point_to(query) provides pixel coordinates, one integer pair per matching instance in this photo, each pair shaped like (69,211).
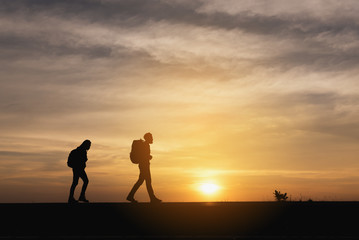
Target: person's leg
(147,175)
(135,187)
(75,181)
(85,179)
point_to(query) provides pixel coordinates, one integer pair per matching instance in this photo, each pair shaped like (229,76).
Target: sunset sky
(247,96)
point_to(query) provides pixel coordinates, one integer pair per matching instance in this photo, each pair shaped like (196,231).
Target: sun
(209,188)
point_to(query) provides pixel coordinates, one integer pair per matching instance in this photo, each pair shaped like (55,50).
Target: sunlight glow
(209,188)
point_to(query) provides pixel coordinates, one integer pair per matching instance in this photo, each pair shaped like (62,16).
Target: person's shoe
(72,200)
(83,199)
(131,199)
(156,200)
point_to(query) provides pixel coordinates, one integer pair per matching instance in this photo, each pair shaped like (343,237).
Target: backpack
(71,160)
(136,154)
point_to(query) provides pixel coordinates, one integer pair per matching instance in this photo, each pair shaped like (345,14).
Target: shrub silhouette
(280,197)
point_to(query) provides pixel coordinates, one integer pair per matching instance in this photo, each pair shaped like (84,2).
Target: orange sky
(250,96)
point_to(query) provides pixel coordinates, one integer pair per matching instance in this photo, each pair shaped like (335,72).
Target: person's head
(148,138)
(86,144)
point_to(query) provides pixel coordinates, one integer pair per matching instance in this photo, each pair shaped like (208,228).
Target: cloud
(96,61)
(16,47)
(132,29)
(322,112)
(260,17)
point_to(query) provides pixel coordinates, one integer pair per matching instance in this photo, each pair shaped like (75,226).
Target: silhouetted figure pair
(77,161)
(141,154)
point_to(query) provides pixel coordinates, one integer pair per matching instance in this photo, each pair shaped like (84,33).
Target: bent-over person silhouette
(77,161)
(141,154)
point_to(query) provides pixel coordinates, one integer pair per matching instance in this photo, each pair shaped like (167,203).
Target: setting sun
(209,188)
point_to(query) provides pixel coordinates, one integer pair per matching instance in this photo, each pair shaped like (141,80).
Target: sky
(249,96)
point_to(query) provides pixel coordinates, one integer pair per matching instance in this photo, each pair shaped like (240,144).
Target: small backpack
(71,160)
(137,149)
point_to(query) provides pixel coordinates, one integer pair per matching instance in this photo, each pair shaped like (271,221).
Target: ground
(224,220)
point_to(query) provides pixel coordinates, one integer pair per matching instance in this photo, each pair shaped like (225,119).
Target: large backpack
(72,159)
(137,151)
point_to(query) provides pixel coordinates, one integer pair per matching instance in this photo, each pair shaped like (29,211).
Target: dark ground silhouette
(242,220)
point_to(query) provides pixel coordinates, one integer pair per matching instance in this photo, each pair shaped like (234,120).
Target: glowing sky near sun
(244,96)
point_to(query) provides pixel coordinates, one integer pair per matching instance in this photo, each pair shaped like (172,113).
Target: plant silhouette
(280,197)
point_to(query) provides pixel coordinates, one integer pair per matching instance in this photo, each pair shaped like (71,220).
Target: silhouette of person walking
(77,161)
(145,174)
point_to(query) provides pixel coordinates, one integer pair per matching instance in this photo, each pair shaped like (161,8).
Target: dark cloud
(311,50)
(51,46)
(15,47)
(137,12)
(134,12)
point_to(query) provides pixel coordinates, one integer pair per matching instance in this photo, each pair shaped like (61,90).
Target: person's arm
(148,152)
(84,156)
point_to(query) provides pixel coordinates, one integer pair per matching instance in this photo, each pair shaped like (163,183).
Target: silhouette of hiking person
(141,154)
(77,161)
